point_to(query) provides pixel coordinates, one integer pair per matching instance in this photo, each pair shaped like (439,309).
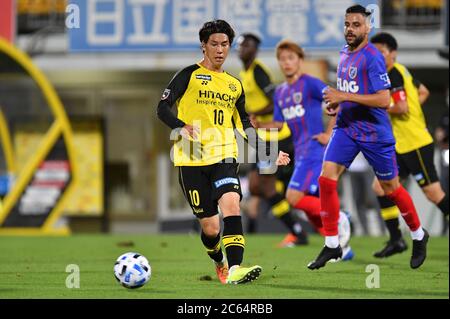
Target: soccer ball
(132,270)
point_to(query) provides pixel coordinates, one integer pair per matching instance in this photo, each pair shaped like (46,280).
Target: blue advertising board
(172,25)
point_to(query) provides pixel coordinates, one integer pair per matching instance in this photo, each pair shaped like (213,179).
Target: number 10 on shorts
(195,197)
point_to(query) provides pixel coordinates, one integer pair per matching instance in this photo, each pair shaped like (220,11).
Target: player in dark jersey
(363,126)
(414,144)
(259,89)
(211,103)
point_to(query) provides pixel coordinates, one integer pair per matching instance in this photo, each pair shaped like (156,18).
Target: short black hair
(357,8)
(216,26)
(386,39)
(252,37)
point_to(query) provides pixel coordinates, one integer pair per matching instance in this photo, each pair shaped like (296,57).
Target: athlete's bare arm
(378,99)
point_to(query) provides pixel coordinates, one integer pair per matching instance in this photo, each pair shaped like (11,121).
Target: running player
(414,144)
(259,89)
(298,102)
(210,103)
(362,126)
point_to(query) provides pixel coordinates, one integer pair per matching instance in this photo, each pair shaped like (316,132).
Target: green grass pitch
(35,267)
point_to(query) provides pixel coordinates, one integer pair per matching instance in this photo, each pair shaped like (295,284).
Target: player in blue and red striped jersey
(363,125)
(298,102)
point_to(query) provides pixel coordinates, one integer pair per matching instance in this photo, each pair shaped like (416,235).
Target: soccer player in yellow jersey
(259,90)
(414,144)
(210,104)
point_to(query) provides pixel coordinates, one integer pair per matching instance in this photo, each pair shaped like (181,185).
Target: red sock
(311,206)
(329,201)
(404,202)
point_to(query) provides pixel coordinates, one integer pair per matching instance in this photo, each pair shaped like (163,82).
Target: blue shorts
(306,176)
(342,150)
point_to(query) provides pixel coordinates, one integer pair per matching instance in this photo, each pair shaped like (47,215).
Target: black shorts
(420,164)
(204,185)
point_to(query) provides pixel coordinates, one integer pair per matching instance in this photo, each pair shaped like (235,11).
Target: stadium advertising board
(172,25)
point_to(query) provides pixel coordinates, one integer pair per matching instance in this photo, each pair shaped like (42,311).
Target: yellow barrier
(59,128)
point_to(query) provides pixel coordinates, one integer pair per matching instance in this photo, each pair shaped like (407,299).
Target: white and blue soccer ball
(132,270)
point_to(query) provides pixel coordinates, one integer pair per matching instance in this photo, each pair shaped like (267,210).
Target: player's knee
(229,204)
(377,189)
(293,197)
(332,170)
(434,193)
(388,189)
(211,230)
(389,186)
